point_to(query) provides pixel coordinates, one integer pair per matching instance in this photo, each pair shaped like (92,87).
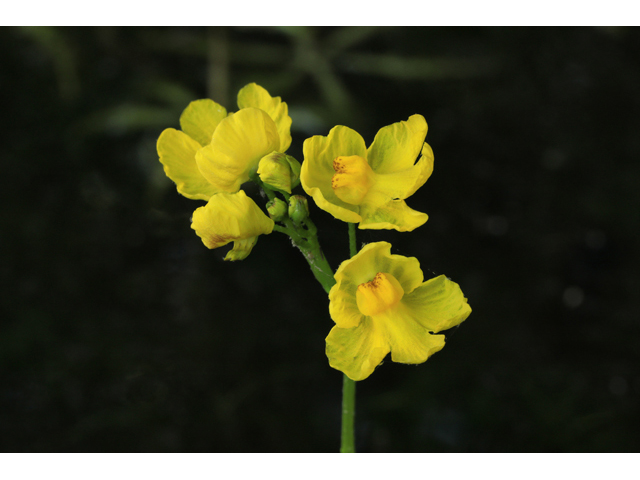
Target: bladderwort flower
(215,152)
(381,304)
(231,217)
(369,186)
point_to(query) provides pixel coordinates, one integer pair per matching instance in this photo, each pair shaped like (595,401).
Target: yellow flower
(231,217)
(381,304)
(369,186)
(216,152)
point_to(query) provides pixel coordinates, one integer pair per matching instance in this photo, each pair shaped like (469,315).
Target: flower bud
(298,208)
(279,171)
(277,209)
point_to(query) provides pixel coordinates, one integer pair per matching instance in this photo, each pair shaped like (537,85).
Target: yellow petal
(404,269)
(438,304)
(237,145)
(343,306)
(404,183)
(423,169)
(317,169)
(397,146)
(254,95)
(200,119)
(378,212)
(357,351)
(231,217)
(409,341)
(177,152)
(241,249)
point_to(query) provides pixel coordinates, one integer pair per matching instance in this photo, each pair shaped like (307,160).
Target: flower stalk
(347,441)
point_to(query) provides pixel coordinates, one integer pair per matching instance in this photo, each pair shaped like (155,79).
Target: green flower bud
(277,209)
(279,171)
(298,208)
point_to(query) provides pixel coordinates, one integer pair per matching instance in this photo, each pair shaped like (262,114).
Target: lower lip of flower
(353,179)
(379,295)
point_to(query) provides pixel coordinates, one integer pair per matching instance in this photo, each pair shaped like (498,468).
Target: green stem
(348,385)
(348,441)
(305,237)
(353,248)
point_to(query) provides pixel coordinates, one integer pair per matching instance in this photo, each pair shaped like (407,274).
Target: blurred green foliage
(122,332)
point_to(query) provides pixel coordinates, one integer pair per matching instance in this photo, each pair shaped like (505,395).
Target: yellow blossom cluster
(214,153)
(380,302)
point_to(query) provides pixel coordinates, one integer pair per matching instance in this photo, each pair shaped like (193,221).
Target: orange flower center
(379,295)
(353,179)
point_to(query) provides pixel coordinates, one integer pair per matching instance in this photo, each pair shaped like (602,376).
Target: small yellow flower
(381,304)
(216,152)
(231,217)
(369,186)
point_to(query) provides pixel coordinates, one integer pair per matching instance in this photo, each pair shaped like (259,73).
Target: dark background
(120,331)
